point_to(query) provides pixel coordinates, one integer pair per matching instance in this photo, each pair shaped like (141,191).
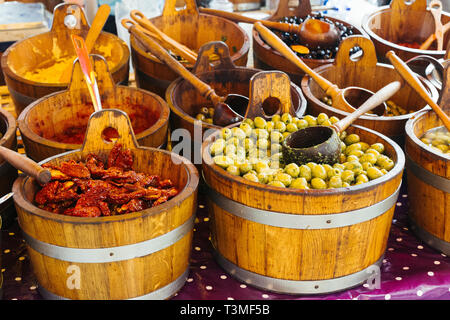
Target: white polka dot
(197,249)
(419,247)
(413,255)
(203,267)
(387,297)
(398,278)
(419,293)
(399,204)
(265,296)
(243,286)
(208,287)
(430,273)
(405,268)
(437,262)
(399,239)
(223,277)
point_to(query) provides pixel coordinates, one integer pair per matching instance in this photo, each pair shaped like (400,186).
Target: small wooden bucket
(403,22)
(266,58)
(185,102)
(8,173)
(428,177)
(192,29)
(300,241)
(47,48)
(62,113)
(140,255)
(366,73)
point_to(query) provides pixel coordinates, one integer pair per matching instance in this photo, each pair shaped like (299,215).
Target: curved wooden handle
(64,9)
(276,43)
(170,8)
(375,100)
(436,11)
(151,45)
(96,28)
(218,48)
(406,73)
(369,55)
(402,5)
(302,9)
(22,163)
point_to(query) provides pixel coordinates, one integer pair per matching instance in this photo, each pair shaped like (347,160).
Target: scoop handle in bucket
(22,163)
(302,9)
(204,89)
(104,119)
(204,63)
(368,58)
(375,100)
(265,85)
(399,6)
(436,11)
(68,16)
(170,8)
(275,42)
(406,73)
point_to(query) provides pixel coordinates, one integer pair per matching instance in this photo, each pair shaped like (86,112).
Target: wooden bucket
(192,29)
(35,52)
(299,241)
(8,173)
(366,73)
(185,101)
(266,58)
(428,180)
(403,22)
(140,255)
(58,114)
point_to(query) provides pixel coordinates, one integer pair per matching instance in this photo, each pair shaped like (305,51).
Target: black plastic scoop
(227,110)
(321,144)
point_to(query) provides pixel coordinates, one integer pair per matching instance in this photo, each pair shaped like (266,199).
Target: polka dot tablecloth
(410,269)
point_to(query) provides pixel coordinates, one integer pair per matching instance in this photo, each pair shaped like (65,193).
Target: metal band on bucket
(295,221)
(426,176)
(119,253)
(429,238)
(159,294)
(298,286)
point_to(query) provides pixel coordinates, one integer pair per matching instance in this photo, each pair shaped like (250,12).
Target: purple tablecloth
(410,269)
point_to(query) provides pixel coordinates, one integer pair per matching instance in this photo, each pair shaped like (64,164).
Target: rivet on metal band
(159,294)
(295,221)
(105,255)
(298,286)
(429,238)
(426,176)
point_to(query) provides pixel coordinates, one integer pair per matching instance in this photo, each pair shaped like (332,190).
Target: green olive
(334,119)
(299,183)
(318,183)
(262,143)
(321,117)
(251,176)
(245,167)
(286,118)
(260,122)
(351,139)
(276,118)
(364,146)
(362,178)
(378,146)
(354,166)
(335,182)
(311,120)
(276,137)
(280,126)
(275,148)
(276,183)
(226,133)
(334,172)
(223,161)
(246,128)
(211,112)
(292,169)
(249,121)
(374,173)
(348,176)
(319,172)
(200,117)
(285,178)
(352,147)
(302,123)
(291,127)
(261,166)
(305,172)
(368,157)
(217,147)
(234,170)
(238,133)
(270,126)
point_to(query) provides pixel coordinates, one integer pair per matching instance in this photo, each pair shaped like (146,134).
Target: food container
(266,58)
(192,29)
(8,173)
(139,255)
(51,52)
(302,241)
(49,124)
(428,180)
(369,74)
(225,78)
(403,21)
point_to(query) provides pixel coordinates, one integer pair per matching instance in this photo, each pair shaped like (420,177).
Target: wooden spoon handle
(407,74)
(275,42)
(436,11)
(427,43)
(151,45)
(375,100)
(26,165)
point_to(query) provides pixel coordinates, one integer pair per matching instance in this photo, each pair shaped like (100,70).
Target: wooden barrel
(8,173)
(402,22)
(192,29)
(366,73)
(266,58)
(299,241)
(139,255)
(185,101)
(428,179)
(48,48)
(49,124)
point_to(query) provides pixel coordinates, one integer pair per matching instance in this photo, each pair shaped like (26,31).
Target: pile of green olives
(438,139)
(392,110)
(206,114)
(252,150)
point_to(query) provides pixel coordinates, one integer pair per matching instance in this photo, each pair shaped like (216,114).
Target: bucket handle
(104,119)
(302,9)
(269,84)
(170,9)
(204,63)
(369,55)
(406,5)
(67,17)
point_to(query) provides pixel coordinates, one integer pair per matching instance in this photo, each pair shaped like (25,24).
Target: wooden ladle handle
(276,43)
(22,163)
(375,100)
(151,45)
(407,74)
(436,11)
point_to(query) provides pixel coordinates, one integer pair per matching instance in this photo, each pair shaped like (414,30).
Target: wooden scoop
(94,31)
(224,107)
(321,144)
(436,11)
(338,95)
(22,163)
(407,74)
(313,32)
